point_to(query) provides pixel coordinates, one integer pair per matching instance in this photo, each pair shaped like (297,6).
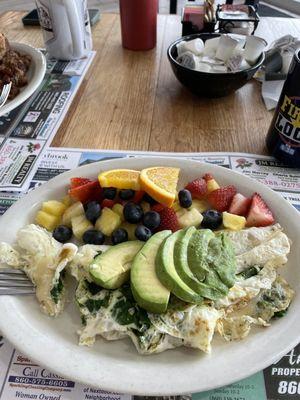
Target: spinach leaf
(92,287)
(127,312)
(57,290)
(249,272)
(94,305)
(280,314)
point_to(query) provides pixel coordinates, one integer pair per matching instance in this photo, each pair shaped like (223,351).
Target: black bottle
(283,139)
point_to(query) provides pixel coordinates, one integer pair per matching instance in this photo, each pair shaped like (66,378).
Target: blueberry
(142,233)
(211,219)
(119,236)
(185,198)
(62,233)
(151,220)
(148,199)
(92,210)
(126,194)
(109,193)
(133,213)
(92,236)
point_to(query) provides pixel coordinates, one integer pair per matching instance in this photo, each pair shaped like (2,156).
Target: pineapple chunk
(79,225)
(233,222)
(212,185)
(118,209)
(130,228)
(67,200)
(74,210)
(176,206)
(189,217)
(108,221)
(54,207)
(200,205)
(145,206)
(46,220)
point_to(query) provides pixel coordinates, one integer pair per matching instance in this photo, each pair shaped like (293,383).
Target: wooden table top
(132,100)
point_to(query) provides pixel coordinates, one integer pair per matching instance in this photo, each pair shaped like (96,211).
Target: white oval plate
(35,75)
(116,366)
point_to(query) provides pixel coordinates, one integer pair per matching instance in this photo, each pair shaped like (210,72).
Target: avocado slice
(146,288)
(197,252)
(183,268)
(112,268)
(221,258)
(167,274)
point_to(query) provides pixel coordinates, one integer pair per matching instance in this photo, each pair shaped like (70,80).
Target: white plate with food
(195,293)
(25,80)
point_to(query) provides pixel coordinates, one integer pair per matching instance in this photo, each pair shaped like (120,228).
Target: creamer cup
(210,46)
(254,48)
(196,46)
(226,47)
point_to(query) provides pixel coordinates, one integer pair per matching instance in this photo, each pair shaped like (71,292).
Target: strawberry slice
(198,188)
(208,177)
(108,203)
(259,213)
(87,192)
(157,207)
(168,219)
(75,182)
(138,196)
(240,205)
(221,198)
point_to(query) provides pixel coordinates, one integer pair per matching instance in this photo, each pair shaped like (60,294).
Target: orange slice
(160,183)
(120,179)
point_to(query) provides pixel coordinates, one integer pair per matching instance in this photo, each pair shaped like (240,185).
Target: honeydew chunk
(74,210)
(80,225)
(108,221)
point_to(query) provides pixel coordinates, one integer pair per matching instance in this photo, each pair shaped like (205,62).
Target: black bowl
(208,84)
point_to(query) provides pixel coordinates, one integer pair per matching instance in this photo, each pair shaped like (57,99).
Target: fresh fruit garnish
(197,188)
(92,211)
(130,229)
(233,222)
(93,236)
(133,213)
(120,179)
(259,213)
(87,192)
(108,203)
(211,219)
(54,207)
(151,220)
(118,208)
(138,196)
(189,217)
(142,233)
(126,194)
(74,210)
(62,233)
(185,198)
(158,207)
(200,205)
(46,220)
(221,198)
(149,199)
(211,183)
(79,225)
(108,221)
(168,219)
(109,193)
(160,183)
(240,205)
(75,182)
(119,236)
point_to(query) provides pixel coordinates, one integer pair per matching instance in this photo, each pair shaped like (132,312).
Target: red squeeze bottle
(138,24)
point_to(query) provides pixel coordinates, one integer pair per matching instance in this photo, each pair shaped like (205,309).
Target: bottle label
(287,122)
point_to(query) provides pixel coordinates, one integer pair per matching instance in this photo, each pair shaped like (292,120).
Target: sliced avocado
(197,252)
(112,268)
(167,274)
(147,289)
(221,258)
(183,269)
